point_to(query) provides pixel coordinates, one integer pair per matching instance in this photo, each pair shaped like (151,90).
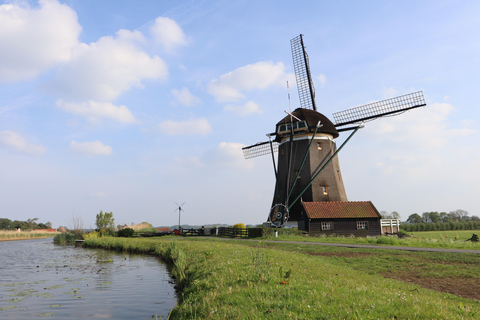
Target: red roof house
(358,218)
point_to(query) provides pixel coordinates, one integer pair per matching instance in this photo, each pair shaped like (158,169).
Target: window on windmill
(282,150)
(300,127)
(325,190)
(319,145)
(327,226)
(297,174)
(362,225)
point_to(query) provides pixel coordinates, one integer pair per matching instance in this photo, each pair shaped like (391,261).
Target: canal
(38,278)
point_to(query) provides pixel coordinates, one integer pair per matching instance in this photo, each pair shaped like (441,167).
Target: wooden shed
(358,218)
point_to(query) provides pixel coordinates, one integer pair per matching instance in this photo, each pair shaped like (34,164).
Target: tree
(5,224)
(32,223)
(392,215)
(105,222)
(458,215)
(433,217)
(76,225)
(414,218)
(443,216)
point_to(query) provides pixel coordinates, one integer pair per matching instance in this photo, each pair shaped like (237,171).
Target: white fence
(390,225)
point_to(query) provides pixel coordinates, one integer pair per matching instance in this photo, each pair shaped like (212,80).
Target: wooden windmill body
(308,168)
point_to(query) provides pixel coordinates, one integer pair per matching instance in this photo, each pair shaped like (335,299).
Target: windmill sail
(259,149)
(306,91)
(379,109)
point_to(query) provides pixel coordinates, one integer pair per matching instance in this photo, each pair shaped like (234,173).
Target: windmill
(179,209)
(308,166)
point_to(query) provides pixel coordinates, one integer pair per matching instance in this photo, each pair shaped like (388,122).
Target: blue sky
(131,106)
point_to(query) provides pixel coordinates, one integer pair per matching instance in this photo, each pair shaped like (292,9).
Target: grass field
(235,279)
(425,239)
(460,235)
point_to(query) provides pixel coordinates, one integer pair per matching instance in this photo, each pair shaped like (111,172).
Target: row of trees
(30,224)
(437,217)
(441,226)
(438,221)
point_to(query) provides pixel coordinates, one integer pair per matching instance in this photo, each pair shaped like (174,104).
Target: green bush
(64,238)
(239,226)
(126,233)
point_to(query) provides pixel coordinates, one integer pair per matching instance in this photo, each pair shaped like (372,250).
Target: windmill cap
(312,118)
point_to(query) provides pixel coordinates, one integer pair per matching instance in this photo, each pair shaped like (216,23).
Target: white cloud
(91,148)
(168,33)
(426,127)
(258,76)
(415,148)
(185,97)
(16,142)
(227,155)
(322,78)
(35,39)
(247,109)
(95,111)
(189,127)
(105,69)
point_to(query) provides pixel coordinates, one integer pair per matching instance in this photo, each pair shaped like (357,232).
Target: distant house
(62,229)
(358,218)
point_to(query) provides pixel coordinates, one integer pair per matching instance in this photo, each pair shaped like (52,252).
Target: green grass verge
(458,235)
(427,239)
(222,279)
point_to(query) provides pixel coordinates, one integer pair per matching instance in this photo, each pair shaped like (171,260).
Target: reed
(24,235)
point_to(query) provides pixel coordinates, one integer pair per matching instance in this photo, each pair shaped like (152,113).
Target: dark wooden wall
(345,227)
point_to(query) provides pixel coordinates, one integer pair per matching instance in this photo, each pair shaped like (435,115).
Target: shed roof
(340,209)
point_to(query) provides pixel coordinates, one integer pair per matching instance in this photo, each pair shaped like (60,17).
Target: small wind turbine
(179,209)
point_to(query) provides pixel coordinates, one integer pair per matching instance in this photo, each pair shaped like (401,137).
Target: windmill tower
(304,140)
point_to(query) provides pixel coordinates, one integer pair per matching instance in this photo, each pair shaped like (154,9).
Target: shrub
(126,233)
(239,230)
(64,238)
(91,235)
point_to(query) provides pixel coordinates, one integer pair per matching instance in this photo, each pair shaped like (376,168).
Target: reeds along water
(12,235)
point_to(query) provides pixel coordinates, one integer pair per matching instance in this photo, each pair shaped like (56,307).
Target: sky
(133,106)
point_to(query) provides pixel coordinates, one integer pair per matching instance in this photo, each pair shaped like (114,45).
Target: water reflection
(38,278)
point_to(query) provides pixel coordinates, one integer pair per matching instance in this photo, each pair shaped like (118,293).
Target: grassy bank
(247,280)
(24,235)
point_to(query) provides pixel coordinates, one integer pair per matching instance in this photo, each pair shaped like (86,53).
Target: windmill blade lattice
(306,91)
(380,109)
(259,149)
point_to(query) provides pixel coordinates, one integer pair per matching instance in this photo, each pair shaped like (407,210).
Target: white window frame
(327,226)
(362,225)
